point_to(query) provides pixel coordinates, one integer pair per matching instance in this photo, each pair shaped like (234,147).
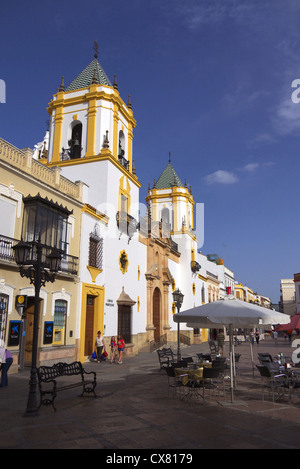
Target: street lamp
(44,226)
(38,273)
(178,300)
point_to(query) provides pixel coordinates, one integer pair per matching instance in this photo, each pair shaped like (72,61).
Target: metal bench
(165,357)
(49,386)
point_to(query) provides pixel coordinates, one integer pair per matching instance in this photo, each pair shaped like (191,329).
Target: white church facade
(128,266)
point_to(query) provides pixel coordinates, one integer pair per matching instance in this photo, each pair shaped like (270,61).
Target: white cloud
(262,138)
(250,167)
(221,177)
(229,177)
(286,119)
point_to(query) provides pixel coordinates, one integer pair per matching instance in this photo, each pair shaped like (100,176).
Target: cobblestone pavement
(136,410)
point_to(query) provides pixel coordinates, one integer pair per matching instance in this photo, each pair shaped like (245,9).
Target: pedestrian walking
(99,346)
(257,336)
(113,348)
(121,348)
(7,360)
(275,337)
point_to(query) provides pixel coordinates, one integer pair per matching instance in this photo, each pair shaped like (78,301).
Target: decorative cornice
(103,156)
(95,213)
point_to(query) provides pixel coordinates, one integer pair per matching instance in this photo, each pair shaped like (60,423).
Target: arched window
(75,142)
(165,217)
(121,150)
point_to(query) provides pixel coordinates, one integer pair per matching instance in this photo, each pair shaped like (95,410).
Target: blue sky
(210,82)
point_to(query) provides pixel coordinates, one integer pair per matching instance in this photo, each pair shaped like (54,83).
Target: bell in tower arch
(75,142)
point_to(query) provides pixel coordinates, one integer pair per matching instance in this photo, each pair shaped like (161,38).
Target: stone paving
(136,410)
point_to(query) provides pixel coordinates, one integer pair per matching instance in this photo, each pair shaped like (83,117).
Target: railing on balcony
(174,246)
(6,250)
(127,224)
(69,264)
(123,162)
(195,267)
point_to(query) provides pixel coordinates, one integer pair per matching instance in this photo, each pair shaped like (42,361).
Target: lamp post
(178,300)
(28,256)
(39,257)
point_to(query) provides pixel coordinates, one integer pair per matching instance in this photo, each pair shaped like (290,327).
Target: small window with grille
(96,250)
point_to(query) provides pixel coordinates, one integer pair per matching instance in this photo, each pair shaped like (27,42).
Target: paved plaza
(136,410)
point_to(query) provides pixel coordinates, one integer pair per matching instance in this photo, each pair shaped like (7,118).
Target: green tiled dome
(85,78)
(168,178)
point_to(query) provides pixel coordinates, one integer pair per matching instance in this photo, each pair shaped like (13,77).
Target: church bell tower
(89,120)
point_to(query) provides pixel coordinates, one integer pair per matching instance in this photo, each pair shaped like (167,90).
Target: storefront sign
(21,301)
(14,333)
(48,332)
(109,303)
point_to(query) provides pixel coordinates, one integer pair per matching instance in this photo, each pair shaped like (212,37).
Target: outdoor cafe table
(191,373)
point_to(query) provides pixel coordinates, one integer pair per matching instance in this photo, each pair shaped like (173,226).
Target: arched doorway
(156,313)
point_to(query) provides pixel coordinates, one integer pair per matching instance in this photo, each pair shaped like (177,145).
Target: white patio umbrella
(233,313)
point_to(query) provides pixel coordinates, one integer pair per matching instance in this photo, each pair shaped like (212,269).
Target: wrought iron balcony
(195,266)
(69,264)
(123,162)
(127,224)
(6,251)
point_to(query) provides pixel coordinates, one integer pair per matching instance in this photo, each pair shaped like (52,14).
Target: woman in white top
(99,345)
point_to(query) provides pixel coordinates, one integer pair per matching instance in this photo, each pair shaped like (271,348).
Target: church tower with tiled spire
(90,139)
(171,202)
(171,219)
(89,119)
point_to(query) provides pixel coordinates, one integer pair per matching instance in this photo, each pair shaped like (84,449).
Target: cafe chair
(294,384)
(275,383)
(274,367)
(202,357)
(213,348)
(264,358)
(197,387)
(210,380)
(220,364)
(174,381)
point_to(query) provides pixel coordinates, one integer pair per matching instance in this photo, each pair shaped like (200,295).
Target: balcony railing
(195,266)
(69,264)
(127,224)
(6,250)
(123,162)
